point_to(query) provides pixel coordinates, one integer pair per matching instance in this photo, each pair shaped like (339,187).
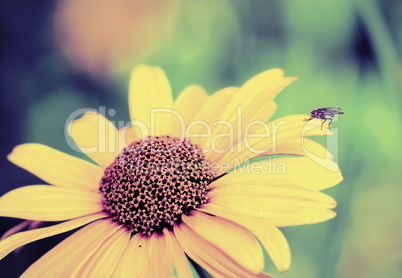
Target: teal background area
(346,53)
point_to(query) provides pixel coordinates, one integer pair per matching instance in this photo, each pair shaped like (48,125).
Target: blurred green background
(59,56)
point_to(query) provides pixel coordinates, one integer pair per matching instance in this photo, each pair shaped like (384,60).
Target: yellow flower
(161,191)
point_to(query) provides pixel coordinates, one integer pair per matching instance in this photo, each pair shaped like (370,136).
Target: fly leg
(324,120)
(329,125)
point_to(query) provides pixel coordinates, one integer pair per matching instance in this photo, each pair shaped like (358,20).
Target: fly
(325,114)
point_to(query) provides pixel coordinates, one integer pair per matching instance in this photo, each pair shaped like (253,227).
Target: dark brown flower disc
(152,182)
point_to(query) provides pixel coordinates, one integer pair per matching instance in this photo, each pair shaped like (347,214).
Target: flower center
(152,182)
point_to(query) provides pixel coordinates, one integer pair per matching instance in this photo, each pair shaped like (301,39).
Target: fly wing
(334,110)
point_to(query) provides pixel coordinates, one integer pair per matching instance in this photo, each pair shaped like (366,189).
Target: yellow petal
(201,129)
(311,172)
(150,90)
(316,127)
(188,103)
(228,146)
(265,85)
(297,126)
(301,147)
(301,171)
(15,241)
(209,256)
(103,262)
(257,195)
(279,201)
(251,103)
(281,136)
(69,253)
(278,146)
(296,147)
(230,238)
(179,258)
(160,257)
(55,167)
(49,203)
(128,134)
(293,216)
(97,137)
(271,238)
(134,262)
